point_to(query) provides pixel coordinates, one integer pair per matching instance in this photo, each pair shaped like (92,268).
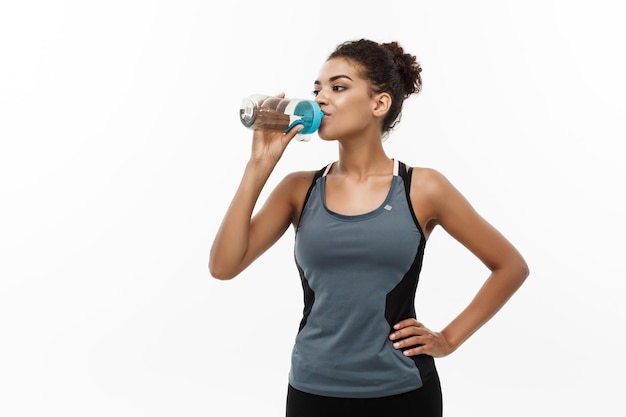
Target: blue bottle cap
(310,116)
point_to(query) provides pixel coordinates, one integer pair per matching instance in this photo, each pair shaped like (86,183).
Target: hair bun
(408,67)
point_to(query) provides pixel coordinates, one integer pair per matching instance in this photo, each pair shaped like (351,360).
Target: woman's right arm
(242,238)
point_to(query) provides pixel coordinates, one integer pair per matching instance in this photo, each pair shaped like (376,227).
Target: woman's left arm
(444,205)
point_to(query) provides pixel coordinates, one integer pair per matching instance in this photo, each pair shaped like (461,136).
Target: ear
(382,104)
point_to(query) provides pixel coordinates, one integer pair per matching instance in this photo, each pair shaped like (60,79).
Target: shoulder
(295,185)
(298,179)
(430,181)
(433,197)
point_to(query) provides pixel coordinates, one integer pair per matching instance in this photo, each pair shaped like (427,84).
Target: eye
(315,93)
(338,88)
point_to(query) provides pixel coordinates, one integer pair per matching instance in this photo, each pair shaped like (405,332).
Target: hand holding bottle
(277,113)
(269,145)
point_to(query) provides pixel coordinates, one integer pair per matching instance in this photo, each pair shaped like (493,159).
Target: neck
(362,159)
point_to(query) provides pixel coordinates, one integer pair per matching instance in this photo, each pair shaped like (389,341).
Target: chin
(325,135)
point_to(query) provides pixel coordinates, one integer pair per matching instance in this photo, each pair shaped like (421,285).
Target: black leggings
(422,402)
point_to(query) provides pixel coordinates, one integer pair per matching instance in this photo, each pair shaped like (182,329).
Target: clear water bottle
(263,112)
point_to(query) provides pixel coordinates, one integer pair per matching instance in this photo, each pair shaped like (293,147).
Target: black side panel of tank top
(309,294)
(309,299)
(406,175)
(317,175)
(401,300)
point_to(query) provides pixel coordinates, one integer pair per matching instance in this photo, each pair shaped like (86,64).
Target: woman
(361,226)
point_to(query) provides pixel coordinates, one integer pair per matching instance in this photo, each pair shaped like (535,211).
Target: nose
(321,98)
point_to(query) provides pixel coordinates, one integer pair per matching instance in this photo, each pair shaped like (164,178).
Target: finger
(409,341)
(418,350)
(407,332)
(291,133)
(406,323)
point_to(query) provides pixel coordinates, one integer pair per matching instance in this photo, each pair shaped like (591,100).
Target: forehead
(339,66)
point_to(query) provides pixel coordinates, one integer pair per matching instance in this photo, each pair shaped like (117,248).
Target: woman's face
(344,97)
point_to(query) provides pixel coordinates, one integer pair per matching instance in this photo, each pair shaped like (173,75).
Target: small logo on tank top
(388,207)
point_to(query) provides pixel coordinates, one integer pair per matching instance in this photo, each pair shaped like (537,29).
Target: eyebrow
(333,78)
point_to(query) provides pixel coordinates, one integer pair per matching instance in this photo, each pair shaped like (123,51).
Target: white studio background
(120,149)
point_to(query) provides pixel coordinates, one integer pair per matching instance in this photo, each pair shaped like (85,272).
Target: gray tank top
(359,275)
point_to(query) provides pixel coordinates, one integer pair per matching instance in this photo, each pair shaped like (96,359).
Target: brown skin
(358,183)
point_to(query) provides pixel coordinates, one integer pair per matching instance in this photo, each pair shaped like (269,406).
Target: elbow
(522,270)
(221,274)
(526,270)
(217,269)
(515,269)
